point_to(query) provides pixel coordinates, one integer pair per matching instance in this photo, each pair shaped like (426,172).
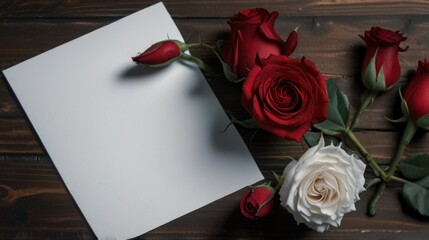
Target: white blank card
(136,147)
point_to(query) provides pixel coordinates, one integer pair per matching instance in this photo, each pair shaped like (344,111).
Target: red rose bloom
(160,53)
(260,201)
(380,68)
(416,95)
(253,35)
(286,96)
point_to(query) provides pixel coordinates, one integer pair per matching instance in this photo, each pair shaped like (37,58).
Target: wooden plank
(331,42)
(341,57)
(41,207)
(209,9)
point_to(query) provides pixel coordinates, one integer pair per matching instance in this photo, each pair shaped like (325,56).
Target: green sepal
(195,60)
(183,46)
(338,111)
(164,64)
(274,193)
(371,79)
(416,194)
(217,49)
(416,167)
(276,176)
(423,122)
(405,112)
(381,81)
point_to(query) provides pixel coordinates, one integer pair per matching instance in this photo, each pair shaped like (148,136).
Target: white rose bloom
(322,186)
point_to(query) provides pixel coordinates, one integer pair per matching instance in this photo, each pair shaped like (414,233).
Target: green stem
(408,134)
(372,206)
(371,162)
(370,183)
(195,60)
(192,45)
(368,97)
(208,46)
(398,179)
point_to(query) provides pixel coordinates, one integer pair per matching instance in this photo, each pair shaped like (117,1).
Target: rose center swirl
(285,96)
(320,190)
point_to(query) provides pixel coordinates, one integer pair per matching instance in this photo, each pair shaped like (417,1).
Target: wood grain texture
(208,9)
(34,203)
(42,208)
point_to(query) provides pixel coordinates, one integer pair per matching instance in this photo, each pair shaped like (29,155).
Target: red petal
(290,45)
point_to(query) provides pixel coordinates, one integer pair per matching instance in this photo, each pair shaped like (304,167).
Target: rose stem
(372,163)
(408,134)
(372,204)
(371,183)
(368,97)
(398,179)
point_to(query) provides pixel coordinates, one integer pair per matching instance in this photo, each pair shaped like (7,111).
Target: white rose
(322,186)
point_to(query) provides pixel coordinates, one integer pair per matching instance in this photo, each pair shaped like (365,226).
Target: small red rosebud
(416,96)
(380,68)
(260,201)
(160,53)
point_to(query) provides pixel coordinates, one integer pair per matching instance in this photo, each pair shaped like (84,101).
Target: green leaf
(311,138)
(416,167)
(423,122)
(246,123)
(417,195)
(338,111)
(226,69)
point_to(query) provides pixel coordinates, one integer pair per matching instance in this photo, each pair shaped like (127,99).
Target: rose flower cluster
(288,97)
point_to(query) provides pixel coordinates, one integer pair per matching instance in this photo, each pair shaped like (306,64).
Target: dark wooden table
(34,202)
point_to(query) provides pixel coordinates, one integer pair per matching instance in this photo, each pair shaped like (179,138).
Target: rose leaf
(416,167)
(338,111)
(311,138)
(246,123)
(417,195)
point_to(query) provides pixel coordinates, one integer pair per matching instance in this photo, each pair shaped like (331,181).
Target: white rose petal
(322,186)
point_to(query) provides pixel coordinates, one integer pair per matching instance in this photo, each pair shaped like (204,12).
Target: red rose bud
(286,96)
(160,54)
(380,68)
(252,35)
(416,96)
(259,202)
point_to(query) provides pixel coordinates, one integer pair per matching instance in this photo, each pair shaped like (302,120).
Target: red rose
(160,53)
(260,201)
(286,96)
(380,68)
(252,35)
(416,96)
